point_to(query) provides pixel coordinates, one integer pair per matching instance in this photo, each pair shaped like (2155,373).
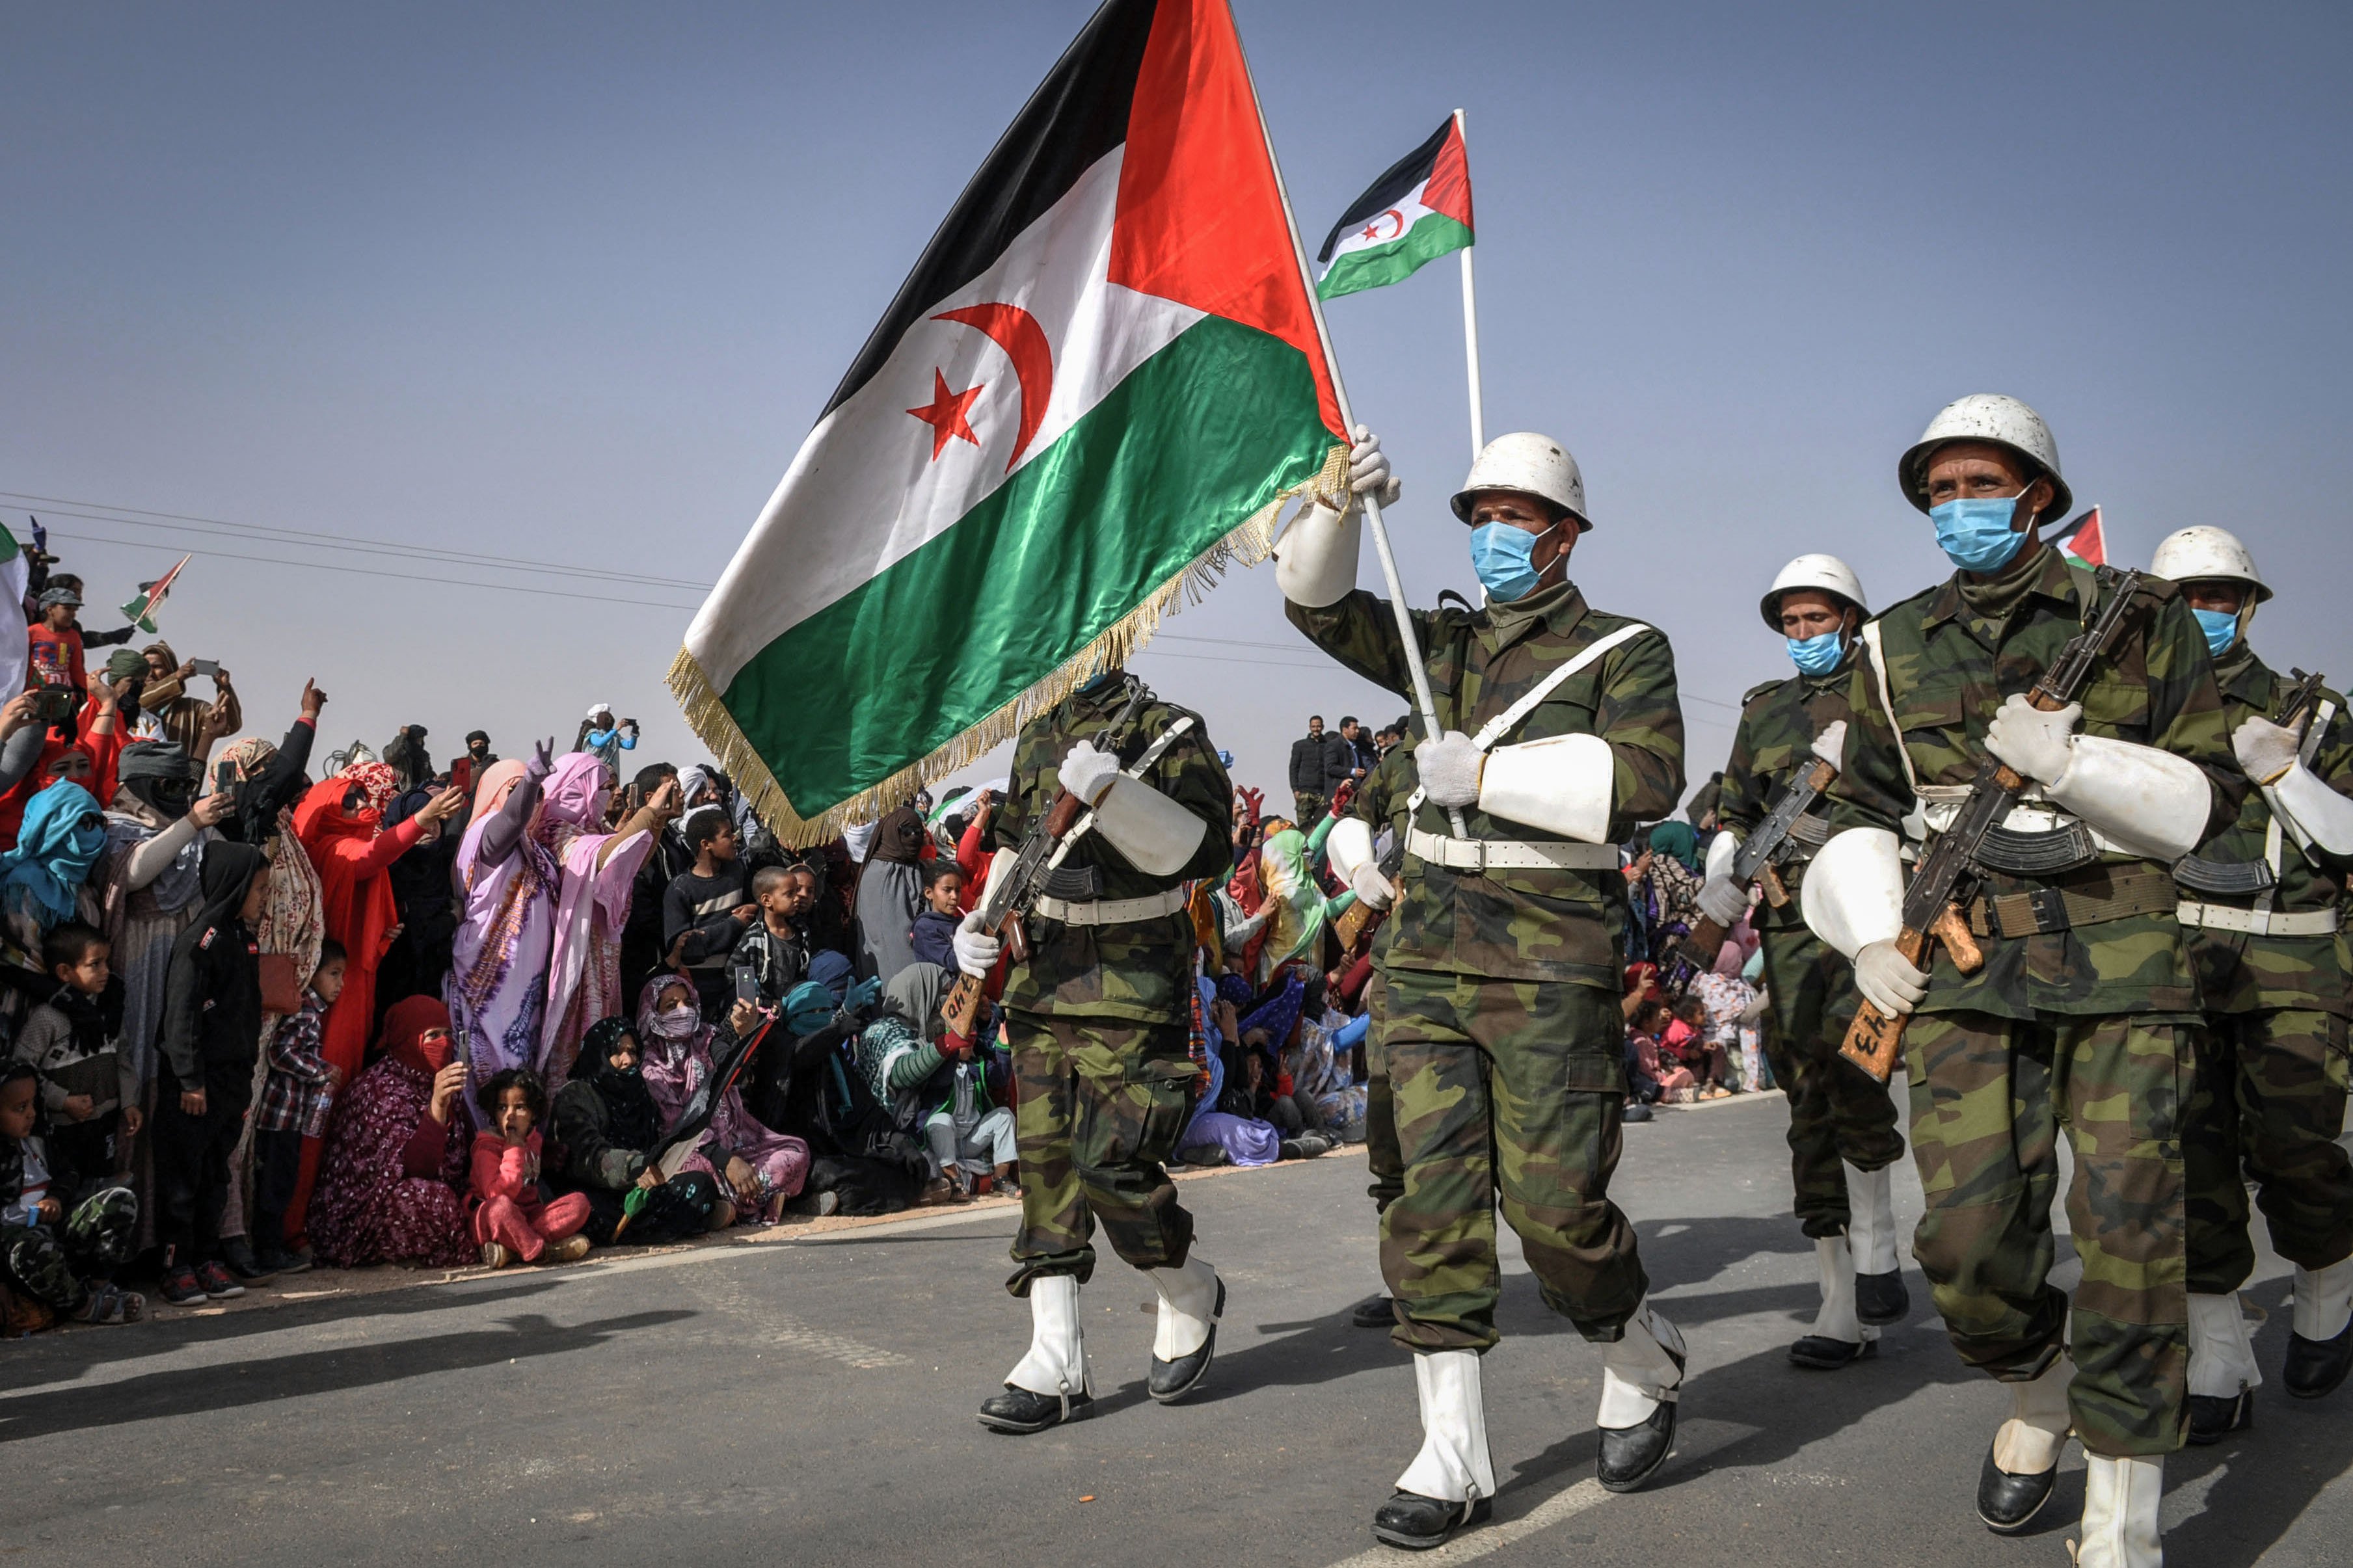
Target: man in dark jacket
(1357,754)
(1308,766)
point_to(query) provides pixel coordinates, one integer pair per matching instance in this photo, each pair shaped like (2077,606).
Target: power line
(134,516)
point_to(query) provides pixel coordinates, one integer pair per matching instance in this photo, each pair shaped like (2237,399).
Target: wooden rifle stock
(961,1007)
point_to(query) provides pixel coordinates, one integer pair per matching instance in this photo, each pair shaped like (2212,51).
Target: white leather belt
(2258,922)
(1109,912)
(1506,854)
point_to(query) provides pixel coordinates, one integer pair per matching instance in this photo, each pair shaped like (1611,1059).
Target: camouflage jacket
(1774,744)
(1141,970)
(1948,666)
(2242,973)
(1557,925)
(1382,801)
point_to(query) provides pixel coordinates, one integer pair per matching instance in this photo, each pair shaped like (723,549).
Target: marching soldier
(1383,800)
(1503,957)
(1843,1141)
(1099,1017)
(2081,1012)
(2263,900)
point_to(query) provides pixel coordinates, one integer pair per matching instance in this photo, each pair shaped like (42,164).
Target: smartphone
(747,987)
(210,667)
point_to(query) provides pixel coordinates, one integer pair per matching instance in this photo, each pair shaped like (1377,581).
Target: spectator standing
(707,909)
(169,713)
(771,955)
(1308,769)
(933,934)
(89,1088)
(1363,755)
(891,893)
(295,1100)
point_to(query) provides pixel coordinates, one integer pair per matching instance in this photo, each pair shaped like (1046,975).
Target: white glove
(976,950)
(2036,743)
(1830,744)
(1372,888)
(1449,767)
(2265,749)
(1368,469)
(1723,900)
(1087,773)
(1887,978)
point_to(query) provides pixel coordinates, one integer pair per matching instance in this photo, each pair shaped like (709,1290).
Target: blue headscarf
(62,836)
(832,971)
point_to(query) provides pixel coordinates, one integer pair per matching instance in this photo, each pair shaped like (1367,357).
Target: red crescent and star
(1016,332)
(1373,229)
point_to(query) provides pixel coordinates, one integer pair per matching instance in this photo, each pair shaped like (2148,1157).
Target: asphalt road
(811,1401)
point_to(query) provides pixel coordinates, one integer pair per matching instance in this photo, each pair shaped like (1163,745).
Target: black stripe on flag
(1404,175)
(1077,115)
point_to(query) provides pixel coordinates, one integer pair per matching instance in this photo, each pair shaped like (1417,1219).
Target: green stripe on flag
(1431,237)
(1196,439)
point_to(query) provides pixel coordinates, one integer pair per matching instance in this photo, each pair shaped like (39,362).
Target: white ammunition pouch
(2148,802)
(1155,833)
(1853,893)
(1561,784)
(1722,851)
(2318,815)
(1349,848)
(1315,560)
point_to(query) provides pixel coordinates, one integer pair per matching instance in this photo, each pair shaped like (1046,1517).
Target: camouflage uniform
(58,1263)
(2271,1056)
(1503,1035)
(1836,1111)
(1099,1016)
(2085,1026)
(1382,802)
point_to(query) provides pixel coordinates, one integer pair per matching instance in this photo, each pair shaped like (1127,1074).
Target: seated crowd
(505,1011)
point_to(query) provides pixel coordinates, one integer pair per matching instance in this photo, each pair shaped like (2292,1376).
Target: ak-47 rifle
(1066,820)
(1948,874)
(1759,853)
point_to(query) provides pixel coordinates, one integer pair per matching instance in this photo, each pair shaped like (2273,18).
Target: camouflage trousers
(1989,1096)
(1103,1104)
(2270,1093)
(57,1263)
(1383,1158)
(1514,1086)
(1837,1114)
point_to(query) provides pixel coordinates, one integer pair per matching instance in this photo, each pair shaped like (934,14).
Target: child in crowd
(513,1218)
(1674,1083)
(60,1236)
(1687,1041)
(772,957)
(706,910)
(935,929)
(295,1100)
(90,1087)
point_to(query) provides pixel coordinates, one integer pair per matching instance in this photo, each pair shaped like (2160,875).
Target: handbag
(281,987)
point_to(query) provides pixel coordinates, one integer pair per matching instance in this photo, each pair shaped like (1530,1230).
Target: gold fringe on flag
(707,715)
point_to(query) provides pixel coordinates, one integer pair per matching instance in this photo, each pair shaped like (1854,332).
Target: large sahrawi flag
(1415,214)
(1100,383)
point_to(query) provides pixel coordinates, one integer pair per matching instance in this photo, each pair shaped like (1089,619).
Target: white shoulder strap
(1887,700)
(1502,724)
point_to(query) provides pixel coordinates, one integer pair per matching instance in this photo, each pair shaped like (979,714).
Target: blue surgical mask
(2221,629)
(1503,557)
(1975,532)
(1817,656)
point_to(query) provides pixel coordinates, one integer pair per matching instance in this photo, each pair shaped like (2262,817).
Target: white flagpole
(1408,641)
(1471,328)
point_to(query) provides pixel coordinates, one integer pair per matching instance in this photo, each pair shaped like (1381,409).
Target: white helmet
(1826,572)
(1985,416)
(2204,554)
(1532,465)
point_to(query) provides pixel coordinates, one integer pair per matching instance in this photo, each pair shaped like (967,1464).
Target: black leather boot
(2213,1417)
(2315,1367)
(1169,1381)
(1819,1353)
(2007,1502)
(1880,1298)
(1417,1522)
(1375,1312)
(1019,1410)
(1631,1455)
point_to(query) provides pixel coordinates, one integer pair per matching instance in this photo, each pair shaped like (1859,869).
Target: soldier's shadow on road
(193,1389)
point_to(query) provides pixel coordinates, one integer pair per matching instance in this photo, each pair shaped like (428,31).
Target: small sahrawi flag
(1100,385)
(1416,213)
(141,609)
(15,573)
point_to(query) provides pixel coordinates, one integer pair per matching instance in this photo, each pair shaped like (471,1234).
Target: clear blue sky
(571,282)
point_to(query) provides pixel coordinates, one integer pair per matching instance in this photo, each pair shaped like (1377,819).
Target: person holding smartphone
(167,711)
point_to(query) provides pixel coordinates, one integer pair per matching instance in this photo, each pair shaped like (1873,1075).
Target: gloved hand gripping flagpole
(1411,642)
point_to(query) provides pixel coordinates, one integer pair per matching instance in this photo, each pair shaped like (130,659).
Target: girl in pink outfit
(511,1220)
